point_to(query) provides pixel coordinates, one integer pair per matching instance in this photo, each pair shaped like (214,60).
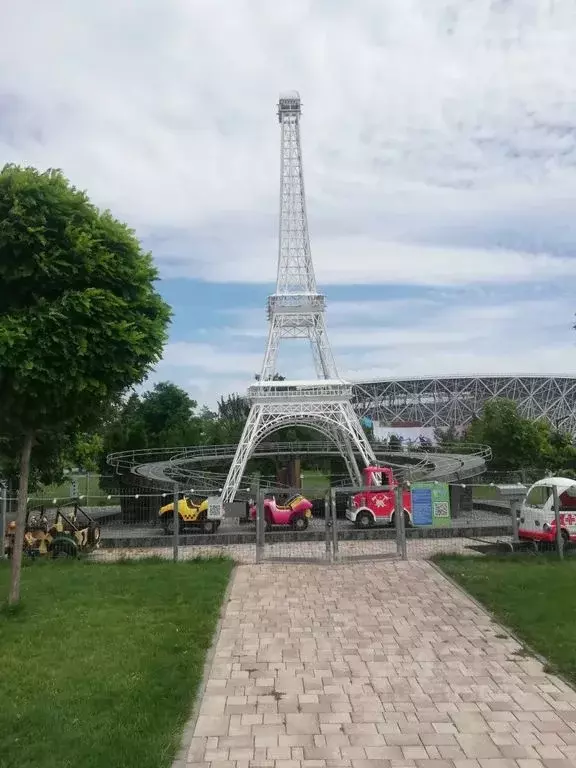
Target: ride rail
(177,465)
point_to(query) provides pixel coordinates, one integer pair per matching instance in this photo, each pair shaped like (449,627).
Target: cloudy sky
(439,141)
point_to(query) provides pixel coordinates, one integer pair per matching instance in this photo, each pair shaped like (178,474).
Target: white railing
(172,464)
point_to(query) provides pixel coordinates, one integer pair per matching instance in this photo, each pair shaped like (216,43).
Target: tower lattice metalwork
(296,311)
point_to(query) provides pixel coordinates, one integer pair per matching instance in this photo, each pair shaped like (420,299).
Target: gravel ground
(476,519)
(305,550)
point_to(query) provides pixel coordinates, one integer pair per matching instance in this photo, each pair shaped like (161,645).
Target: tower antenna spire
(296,311)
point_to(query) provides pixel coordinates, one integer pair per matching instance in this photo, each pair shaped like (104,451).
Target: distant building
(453,401)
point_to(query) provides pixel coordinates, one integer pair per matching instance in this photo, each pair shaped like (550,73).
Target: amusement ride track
(185,465)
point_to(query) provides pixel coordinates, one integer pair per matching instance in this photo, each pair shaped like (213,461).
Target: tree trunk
(14,596)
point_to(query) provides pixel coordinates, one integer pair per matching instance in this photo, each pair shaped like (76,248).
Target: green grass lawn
(88,485)
(534,596)
(486,493)
(314,480)
(100,666)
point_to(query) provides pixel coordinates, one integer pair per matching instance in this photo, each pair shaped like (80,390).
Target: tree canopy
(164,417)
(518,442)
(81,320)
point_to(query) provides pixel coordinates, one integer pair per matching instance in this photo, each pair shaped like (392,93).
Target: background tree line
(517,442)
(163,417)
(167,417)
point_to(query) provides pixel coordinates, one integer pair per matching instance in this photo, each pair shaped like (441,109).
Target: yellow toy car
(63,535)
(192,514)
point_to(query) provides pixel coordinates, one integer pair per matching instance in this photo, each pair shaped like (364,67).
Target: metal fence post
(559,539)
(3,505)
(176,524)
(259,526)
(514,504)
(334,518)
(400,524)
(328,526)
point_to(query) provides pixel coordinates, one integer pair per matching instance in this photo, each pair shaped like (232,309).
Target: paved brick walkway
(372,665)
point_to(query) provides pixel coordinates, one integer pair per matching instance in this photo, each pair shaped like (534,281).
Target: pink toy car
(296,513)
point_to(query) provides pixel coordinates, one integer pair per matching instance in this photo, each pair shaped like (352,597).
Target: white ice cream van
(537,521)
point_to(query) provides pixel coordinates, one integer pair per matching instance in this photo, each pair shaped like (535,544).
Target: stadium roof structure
(454,401)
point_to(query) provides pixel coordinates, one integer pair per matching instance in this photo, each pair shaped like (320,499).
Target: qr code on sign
(441,509)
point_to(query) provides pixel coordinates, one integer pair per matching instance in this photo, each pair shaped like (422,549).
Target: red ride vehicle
(295,513)
(375,504)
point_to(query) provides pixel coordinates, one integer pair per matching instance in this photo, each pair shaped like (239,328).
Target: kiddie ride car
(375,504)
(192,514)
(537,520)
(70,534)
(295,513)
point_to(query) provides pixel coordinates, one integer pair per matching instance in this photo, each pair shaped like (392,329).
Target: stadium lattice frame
(453,401)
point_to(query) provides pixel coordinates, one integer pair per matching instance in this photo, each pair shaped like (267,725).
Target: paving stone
(302,724)
(433,763)
(403,739)
(372,665)
(384,753)
(415,753)
(244,741)
(299,740)
(279,753)
(477,746)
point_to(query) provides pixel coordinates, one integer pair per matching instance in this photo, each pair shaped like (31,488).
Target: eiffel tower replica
(296,311)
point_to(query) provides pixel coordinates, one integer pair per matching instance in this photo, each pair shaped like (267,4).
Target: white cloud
(521,336)
(362,260)
(546,360)
(439,151)
(206,358)
(421,119)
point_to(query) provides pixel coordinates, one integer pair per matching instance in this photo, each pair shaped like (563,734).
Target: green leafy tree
(233,408)
(85,451)
(53,454)
(516,442)
(232,412)
(47,461)
(164,417)
(169,416)
(560,452)
(80,318)
(445,437)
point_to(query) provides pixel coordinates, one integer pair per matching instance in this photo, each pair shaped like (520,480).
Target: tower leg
(246,446)
(321,351)
(342,441)
(339,423)
(354,429)
(271,354)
